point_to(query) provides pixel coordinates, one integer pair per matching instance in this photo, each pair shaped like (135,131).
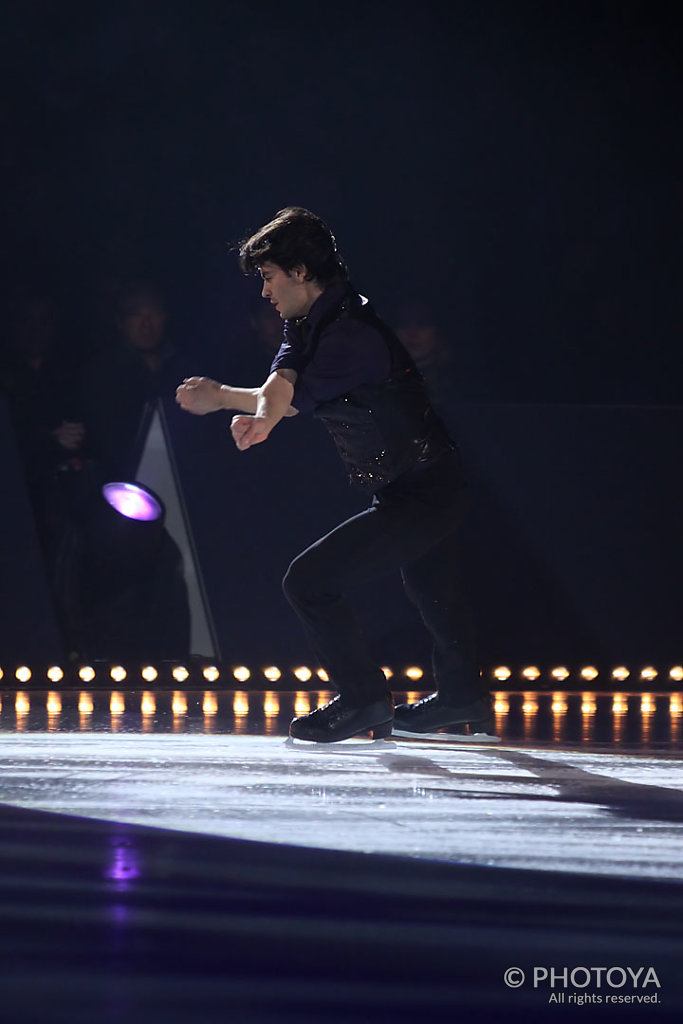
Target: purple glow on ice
(124,866)
(132,501)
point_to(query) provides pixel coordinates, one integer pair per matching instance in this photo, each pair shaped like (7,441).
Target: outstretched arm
(273,402)
(201,395)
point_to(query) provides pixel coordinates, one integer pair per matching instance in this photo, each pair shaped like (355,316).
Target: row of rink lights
(242,674)
(302,704)
(148,703)
(559,705)
(304,701)
(559,702)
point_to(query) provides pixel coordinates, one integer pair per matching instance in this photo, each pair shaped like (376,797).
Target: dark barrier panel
(575,534)
(28,630)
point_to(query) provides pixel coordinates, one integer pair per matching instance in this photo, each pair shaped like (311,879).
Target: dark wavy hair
(295,236)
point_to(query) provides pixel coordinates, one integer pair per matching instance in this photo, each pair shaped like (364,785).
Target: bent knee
(297,579)
(305,580)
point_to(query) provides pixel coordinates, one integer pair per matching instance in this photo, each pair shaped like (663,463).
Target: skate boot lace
(431,699)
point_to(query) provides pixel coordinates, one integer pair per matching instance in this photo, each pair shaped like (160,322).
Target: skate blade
(354,746)
(446,737)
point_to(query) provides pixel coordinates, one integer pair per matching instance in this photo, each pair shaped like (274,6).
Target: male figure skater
(339,361)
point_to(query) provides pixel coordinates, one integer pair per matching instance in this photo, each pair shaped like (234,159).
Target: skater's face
(289,292)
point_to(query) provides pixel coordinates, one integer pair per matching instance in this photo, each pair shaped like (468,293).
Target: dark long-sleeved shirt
(348,353)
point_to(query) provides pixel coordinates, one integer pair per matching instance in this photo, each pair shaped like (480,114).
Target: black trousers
(411,527)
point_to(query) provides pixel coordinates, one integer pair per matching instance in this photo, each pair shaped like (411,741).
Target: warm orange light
(675,673)
(241,673)
(531,673)
(54,703)
(502,673)
(179,703)
(23,673)
(302,673)
(22,703)
(180,673)
(647,704)
(619,704)
(620,673)
(85,704)
(271,704)
(675,704)
(148,704)
(649,673)
(322,674)
(210,704)
(210,673)
(302,703)
(272,673)
(414,672)
(559,703)
(589,672)
(117,704)
(588,705)
(86,673)
(324,697)
(118,673)
(560,672)
(530,704)
(55,674)
(388,673)
(149,673)
(240,703)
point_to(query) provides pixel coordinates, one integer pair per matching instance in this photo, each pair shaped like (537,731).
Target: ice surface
(532,808)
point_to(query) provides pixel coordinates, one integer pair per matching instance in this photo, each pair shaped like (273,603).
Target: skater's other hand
(250,430)
(199,395)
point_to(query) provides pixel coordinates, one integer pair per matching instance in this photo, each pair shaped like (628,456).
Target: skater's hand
(250,430)
(199,395)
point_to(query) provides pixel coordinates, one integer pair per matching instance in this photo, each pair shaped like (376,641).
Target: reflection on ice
(643,720)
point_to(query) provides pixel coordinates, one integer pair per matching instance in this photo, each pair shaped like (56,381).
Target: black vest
(380,430)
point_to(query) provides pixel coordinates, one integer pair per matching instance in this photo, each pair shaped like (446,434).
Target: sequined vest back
(381,430)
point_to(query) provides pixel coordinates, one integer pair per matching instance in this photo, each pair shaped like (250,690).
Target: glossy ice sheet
(533,808)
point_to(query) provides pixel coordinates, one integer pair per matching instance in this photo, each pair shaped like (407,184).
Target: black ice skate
(431,714)
(337,721)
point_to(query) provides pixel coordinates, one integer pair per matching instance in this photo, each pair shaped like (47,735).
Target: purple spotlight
(133,501)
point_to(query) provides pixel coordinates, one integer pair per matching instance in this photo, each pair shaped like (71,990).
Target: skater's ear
(301,273)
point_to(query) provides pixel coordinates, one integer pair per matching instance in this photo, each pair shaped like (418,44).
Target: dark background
(515,166)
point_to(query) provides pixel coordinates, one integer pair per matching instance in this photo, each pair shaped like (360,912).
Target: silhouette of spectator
(119,382)
(266,326)
(38,375)
(38,378)
(245,334)
(420,334)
